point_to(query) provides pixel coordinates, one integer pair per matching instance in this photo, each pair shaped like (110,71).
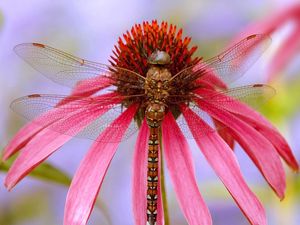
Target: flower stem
(162,181)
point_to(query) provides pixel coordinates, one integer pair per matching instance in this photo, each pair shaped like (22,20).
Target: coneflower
(153,85)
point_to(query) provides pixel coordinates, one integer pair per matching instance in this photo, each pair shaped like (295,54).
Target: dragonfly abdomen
(152,176)
(156,90)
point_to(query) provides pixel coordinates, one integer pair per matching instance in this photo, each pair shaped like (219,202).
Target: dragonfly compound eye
(159,58)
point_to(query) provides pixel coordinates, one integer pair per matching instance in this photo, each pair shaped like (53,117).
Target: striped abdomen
(152,176)
(155,113)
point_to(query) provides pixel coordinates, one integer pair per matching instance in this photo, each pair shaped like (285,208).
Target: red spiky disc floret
(137,45)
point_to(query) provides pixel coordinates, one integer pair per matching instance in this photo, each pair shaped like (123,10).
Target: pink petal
(211,78)
(225,164)
(205,84)
(277,140)
(23,136)
(38,124)
(257,121)
(261,151)
(272,23)
(180,164)
(160,208)
(224,134)
(48,141)
(139,184)
(91,86)
(30,130)
(88,87)
(286,51)
(289,47)
(88,178)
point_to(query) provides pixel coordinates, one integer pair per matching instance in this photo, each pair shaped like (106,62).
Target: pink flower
(289,47)
(162,92)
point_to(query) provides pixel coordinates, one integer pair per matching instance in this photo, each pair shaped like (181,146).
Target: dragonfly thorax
(157,84)
(157,91)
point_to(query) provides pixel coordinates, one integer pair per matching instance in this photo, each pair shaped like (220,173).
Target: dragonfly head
(159,58)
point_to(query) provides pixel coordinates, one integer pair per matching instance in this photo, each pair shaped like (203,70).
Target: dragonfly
(110,90)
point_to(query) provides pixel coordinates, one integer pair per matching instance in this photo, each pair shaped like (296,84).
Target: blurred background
(90,29)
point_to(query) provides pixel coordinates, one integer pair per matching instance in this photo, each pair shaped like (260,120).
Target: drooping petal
(225,164)
(160,207)
(214,80)
(88,87)
(259,149)
(48,141)
(224,133)
(30,130)
(180,165)
(91,86)
(21,139)
(38,124)
(270,24)
(139,184)
(284,54)
(88,178)
(277,140)
(288,48)
(257,121)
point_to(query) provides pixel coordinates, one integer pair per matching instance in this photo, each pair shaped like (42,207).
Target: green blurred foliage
(209,48)
(22,210)
(286,103)
(294,181)
(280,109)
(45,171)
(1,19)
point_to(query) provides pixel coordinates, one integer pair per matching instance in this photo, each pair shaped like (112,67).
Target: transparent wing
(229,65)
(68,70)
(253,95)
(84,117)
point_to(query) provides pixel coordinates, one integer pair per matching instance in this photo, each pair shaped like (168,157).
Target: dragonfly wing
(230,64)
(203,115)
(253,95)
(68,70)
(103,122)
(94,114)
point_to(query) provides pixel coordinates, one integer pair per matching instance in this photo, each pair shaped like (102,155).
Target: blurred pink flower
(289,47)
(236,122)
